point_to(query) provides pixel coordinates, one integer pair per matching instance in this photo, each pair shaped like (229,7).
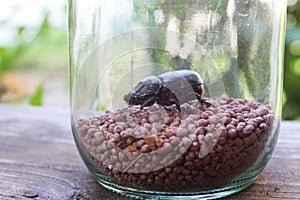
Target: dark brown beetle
(176,87)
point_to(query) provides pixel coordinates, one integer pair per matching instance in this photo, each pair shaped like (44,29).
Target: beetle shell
(192,77)
(180,87)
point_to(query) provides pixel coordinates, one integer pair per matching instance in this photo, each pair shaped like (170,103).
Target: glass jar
(173,98)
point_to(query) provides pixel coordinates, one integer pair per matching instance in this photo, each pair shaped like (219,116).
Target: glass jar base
(234,187)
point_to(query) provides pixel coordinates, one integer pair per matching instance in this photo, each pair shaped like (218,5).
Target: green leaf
(37,98)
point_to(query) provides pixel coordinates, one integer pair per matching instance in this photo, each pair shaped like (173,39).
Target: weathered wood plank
(38,160)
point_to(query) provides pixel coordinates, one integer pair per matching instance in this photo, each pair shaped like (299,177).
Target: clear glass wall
(173,98)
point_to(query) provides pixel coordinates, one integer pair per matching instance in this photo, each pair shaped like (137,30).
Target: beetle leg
(148,102)
(178,107)
(172,107)
(198,96)
(205,101)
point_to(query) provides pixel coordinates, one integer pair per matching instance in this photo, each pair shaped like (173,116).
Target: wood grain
(38,160)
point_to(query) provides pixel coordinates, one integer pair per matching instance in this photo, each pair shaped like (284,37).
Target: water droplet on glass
(159,16)
(243,13)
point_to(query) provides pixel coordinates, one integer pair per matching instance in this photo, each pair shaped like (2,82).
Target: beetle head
(145,91)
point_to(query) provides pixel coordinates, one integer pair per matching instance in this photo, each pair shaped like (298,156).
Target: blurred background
(34,55)
(34,52)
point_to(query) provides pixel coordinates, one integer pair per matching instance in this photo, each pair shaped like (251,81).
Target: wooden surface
(38,160)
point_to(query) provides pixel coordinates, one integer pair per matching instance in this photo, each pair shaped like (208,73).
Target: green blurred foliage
(37,98)
(291,98)
(37,52)
(48,43)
